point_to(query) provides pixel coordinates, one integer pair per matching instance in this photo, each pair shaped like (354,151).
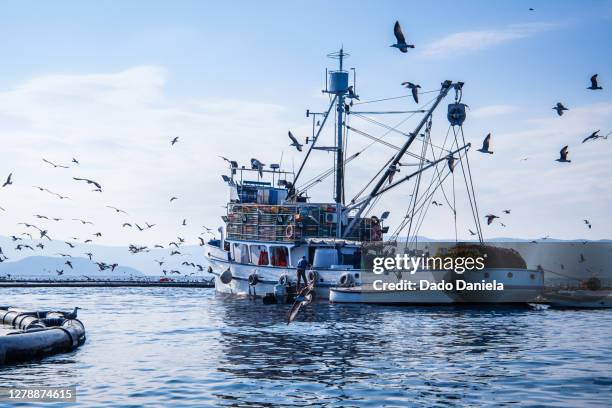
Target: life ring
(284,279)
(226,277)
(347,280)
(313,276)
(253,279)
(289,231)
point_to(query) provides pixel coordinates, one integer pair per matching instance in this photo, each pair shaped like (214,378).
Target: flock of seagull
(35,232)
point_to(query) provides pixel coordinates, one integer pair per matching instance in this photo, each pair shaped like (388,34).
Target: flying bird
(451,161)
(89,255)
(485,145)
(392,170)
(257,165)
(116,209)
(69,264)
(82,221)
(173,142)
(400,39)
(294,142)
(9,180)
(126,224)
(184,222)
(563,156)
(415,90)
(75,161)
(560,108)
(594,85)
(302,299)
(588,224)
(490,218)
(173,198)
(506,211)
(95,183)
(594,136)
(471,232)
(233,163)
(54,165)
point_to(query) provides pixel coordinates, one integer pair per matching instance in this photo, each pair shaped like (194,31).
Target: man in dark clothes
(301,272)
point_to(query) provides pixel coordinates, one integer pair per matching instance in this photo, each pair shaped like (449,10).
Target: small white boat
(580,298)
(492,285)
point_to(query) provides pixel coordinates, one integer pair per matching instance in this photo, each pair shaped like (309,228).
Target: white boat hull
(269,276)
(519,286)
(580,299)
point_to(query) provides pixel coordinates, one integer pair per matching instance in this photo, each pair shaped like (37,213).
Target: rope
(477,215)
(394,97)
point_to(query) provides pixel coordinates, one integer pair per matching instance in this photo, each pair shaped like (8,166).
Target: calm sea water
(189,347)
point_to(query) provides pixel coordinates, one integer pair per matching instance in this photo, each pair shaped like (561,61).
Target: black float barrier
(40,333)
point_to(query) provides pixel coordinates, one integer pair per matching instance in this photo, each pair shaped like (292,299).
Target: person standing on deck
(301,272)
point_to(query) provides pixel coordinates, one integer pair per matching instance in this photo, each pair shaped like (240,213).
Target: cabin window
(259,254)
(351,257)
(280,256)
(241,253)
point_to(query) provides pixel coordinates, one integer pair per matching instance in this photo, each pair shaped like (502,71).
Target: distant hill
(143,262)
(46,266)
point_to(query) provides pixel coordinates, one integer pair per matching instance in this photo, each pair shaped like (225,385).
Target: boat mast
(338,86)
(339,196)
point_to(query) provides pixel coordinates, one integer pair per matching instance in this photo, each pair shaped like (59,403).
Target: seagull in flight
(173,142)
(594,85)
(400,39)
(233,163)
(173,198)
(490,218)
(95,183)
(257,165)
(84,222)
(294,142)
(563,155)
(415,90)
(54,165)
(485,145)
(9,180)
(594,136)
(116,209)
(560,108)
(75,161)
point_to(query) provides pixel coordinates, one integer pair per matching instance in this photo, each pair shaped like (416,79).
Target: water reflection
(191,348)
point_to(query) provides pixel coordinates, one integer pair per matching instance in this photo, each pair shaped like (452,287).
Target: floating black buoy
(40,333)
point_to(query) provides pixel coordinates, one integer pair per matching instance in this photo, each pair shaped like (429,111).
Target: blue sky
(111,82)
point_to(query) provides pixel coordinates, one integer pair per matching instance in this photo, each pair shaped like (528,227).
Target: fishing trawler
(271,222)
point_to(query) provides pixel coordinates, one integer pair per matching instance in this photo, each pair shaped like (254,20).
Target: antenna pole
(314,140)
